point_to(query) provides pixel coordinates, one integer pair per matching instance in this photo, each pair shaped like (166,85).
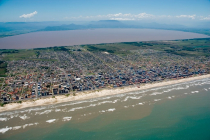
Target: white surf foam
(64,110)
(30,124)
(102,111)
(24,126)
(157,100)
(3,130)
(3,119)
(16,127)
(24,117)
(92,105)
(67,118)
(132,97)
(15,115)
(50,121)
(76,108)
(156,93)
(194,91)
(44,112)
(111,109)
(57,110)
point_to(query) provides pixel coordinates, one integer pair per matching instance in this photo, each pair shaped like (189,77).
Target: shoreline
(93,94)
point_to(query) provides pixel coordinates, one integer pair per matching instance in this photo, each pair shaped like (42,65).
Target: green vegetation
(103,48)
(90,73)
(44,67)
(19,102)
(67,95)
(21,55)
(3,68)
(187,47)
(56,48)
(2,104)
(24,55)
(6,51)
(14,32)
(200,31)
(37,54)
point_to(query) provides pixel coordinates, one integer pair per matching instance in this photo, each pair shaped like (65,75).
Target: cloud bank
(140,16)
(205,18)
(187,16)
(28,15)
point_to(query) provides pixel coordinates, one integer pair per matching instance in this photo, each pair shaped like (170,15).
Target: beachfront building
(63,72)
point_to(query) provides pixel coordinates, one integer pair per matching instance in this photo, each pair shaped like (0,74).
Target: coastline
(93,94)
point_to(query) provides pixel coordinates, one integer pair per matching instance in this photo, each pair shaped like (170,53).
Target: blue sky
(89,10)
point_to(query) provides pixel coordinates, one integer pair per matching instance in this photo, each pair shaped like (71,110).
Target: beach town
(49,73)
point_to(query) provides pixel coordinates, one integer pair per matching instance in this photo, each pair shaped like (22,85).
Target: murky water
(184,105)
(78,37)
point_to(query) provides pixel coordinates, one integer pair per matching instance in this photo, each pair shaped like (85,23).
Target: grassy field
(11,55)
(20,55)
(3,69)
(187,47)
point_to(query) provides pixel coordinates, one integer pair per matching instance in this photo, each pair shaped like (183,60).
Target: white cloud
(140,16)
(144,15)
(129,16)
(186,16)
(28,15)
(122,19)
(205,18)
(118,16)
(165,16)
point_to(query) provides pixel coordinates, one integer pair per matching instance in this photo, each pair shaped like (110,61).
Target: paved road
(36,90)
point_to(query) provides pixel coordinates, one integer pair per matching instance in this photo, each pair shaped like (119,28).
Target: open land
(82,71)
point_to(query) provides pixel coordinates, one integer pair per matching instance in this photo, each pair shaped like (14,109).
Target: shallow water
(78,37)
(180,111)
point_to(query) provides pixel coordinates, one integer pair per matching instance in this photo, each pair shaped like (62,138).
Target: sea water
(179,111)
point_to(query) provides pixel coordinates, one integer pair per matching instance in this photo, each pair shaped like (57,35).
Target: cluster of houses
(63,72)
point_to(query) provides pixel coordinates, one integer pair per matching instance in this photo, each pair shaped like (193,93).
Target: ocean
(174,112)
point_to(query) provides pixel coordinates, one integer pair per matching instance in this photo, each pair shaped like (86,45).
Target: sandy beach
(93,94)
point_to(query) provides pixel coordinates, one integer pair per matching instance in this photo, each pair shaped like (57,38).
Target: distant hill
(63,27)
(91,25)
(15,28)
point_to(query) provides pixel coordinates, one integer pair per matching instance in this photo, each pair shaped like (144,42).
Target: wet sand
(93,94)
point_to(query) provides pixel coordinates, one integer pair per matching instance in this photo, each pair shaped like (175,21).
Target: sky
(168,11)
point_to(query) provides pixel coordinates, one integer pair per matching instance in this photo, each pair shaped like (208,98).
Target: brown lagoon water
(78,37)
(174,112)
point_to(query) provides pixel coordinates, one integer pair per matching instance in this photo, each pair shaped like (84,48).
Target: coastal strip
(94,94)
